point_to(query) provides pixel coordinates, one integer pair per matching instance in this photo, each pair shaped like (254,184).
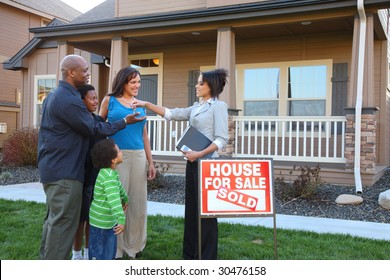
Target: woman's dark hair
(122,78)
(103,152)
(84,90)
(216,79)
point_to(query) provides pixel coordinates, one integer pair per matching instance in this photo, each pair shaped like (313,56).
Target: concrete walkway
(380,231)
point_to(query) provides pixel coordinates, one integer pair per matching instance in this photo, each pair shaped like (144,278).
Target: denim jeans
(102,244)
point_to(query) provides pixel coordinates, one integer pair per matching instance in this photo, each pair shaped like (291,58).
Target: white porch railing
(164,135)
(302,139)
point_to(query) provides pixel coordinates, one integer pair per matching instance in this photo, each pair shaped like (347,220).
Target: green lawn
(21,227)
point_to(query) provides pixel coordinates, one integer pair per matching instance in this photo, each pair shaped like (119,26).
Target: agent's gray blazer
(210,118)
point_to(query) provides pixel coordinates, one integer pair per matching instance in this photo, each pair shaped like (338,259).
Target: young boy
(106,215)
(91,101)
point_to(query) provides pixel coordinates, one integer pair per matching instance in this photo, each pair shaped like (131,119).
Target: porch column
(228,150)
(384,130)
(368,140)
(362,92)
(118,57)
(226,58)
(63,50)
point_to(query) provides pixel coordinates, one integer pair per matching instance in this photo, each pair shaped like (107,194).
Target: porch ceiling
(339,25)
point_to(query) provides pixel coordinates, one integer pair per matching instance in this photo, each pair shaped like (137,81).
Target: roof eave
(219,14)
(16,62)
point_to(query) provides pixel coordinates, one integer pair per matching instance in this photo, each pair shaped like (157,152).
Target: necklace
(127,102)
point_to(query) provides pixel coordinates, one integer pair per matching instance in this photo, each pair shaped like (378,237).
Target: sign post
(235,188)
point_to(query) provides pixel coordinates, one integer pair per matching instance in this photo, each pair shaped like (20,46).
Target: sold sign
(235,186)
(237,198)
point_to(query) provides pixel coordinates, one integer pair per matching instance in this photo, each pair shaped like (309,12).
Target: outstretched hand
(131,118)
(139,103)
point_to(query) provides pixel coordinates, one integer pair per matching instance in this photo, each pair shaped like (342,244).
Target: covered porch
(301,141)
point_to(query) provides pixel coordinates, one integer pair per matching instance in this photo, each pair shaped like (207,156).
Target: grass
(21,227)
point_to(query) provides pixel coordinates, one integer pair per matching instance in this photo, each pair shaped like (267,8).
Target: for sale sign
(236,187)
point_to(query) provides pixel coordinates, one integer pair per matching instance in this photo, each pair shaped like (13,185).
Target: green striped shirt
(106,209)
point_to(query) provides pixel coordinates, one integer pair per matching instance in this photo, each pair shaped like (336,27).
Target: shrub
(282,188)
(158,181)
(308,181)
(305,185)
(20,148)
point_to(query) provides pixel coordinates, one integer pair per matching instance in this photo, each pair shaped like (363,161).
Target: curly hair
(216,79)
(103,153)
(84,90)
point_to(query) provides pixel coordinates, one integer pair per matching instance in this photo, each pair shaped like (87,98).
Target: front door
(148,90)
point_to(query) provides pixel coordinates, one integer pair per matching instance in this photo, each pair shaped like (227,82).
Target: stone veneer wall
(368,143)
(228,150)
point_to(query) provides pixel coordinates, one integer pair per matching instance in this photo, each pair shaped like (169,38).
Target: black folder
(194,140)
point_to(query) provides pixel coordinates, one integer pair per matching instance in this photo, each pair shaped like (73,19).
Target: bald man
(64,134)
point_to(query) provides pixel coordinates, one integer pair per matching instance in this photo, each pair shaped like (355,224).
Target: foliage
(20,148)
(282,188)
(305,185)
(20,236)
(307,182)
(158,181)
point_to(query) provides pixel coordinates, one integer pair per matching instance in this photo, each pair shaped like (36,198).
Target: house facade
(306,77)
(19,16)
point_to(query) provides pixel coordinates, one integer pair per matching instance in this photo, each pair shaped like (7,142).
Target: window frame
(156,70)
(36,103)
(283,83)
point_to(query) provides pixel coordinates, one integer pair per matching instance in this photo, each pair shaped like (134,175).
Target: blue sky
(83,5)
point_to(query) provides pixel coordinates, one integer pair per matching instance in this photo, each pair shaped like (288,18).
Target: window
(145,63)
(306,90)
(261,91)
(301,88)
(43,86)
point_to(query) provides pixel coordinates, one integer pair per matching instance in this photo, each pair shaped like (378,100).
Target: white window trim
(152,71)
(283,98)
(36,78)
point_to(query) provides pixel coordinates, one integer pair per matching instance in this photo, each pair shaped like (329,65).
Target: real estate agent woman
(210,116)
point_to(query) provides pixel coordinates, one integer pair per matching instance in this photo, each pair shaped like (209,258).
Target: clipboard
(193,140)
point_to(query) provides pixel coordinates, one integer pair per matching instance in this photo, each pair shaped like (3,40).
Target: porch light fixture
(156,61)
(106,61)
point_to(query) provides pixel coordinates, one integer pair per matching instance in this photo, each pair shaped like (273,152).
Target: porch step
(176,165)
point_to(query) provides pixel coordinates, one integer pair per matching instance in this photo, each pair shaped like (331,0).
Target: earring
(72,76)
